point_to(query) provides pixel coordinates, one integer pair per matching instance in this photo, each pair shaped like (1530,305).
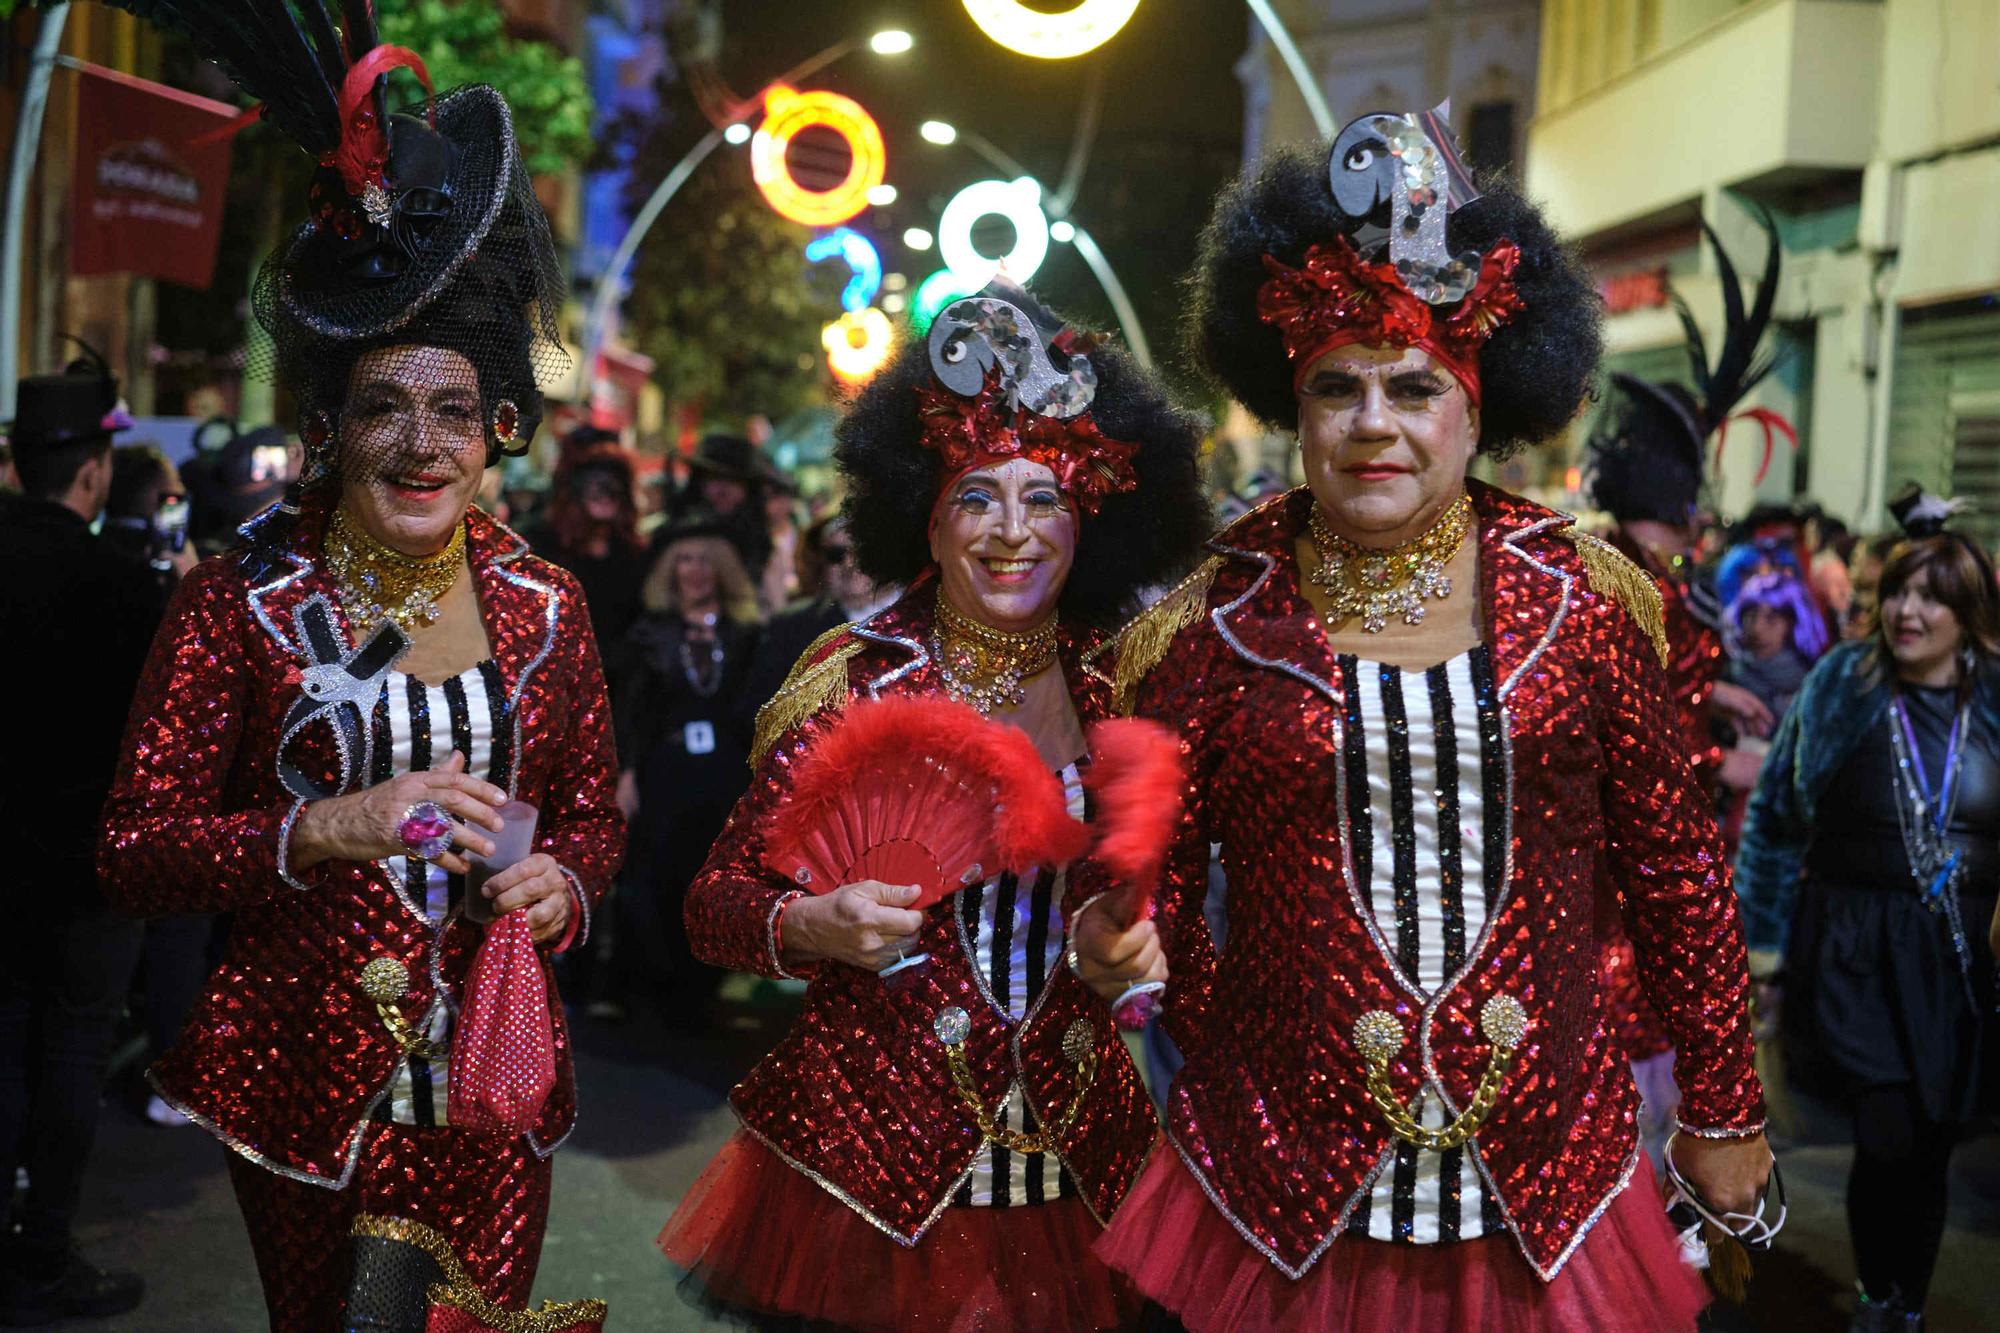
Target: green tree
(722,297)
(466,41)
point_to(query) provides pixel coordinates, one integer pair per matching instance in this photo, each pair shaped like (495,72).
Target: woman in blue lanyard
(1868,870)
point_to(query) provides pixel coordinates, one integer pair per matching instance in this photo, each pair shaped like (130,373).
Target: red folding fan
(1136,775)
(924,792)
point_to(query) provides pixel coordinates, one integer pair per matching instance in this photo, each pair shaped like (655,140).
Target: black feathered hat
(1384,229)
(1647,455)
(1146,535)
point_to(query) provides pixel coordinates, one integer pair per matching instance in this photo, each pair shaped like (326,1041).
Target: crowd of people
(1429,914)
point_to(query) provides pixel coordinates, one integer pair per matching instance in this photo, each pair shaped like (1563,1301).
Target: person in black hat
(76,617)
(725,487)
(591,528)
(684,727)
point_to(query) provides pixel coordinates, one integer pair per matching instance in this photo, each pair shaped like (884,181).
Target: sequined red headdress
(999,394)
(1409,290)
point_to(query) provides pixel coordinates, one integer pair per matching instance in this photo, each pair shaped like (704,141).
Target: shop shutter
(1944,411)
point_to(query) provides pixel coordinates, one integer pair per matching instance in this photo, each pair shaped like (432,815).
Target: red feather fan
(1136,775)
(924,792)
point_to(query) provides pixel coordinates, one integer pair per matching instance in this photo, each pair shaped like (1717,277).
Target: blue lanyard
(1940,804)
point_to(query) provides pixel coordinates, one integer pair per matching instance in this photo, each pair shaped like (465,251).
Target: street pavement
(654,1112)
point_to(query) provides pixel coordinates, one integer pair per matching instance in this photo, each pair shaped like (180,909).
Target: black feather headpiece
(1646,458)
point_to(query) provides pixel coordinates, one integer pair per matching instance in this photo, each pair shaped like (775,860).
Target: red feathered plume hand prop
(1135,774)
(924,792)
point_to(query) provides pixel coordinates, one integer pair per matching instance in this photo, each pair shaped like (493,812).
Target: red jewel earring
(506,423)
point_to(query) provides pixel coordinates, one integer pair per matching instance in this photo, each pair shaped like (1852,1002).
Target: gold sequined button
(384,980)
(1378,1036)
(1504,1021)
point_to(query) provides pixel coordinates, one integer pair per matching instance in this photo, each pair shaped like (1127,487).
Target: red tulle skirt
(754,1235)
(1182,1252)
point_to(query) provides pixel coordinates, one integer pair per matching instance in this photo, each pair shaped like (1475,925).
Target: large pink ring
(425,831)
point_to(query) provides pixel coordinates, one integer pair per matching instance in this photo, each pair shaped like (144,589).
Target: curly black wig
(1535,370)
(1143,537)
(1644,459)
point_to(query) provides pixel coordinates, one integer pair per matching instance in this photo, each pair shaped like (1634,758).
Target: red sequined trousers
(489,1198)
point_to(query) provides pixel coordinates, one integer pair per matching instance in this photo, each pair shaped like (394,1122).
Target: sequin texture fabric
(1270,1111)
(284,1056)
(858,1094)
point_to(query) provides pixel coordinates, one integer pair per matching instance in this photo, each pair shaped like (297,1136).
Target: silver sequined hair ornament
(981,334)
(1409,165)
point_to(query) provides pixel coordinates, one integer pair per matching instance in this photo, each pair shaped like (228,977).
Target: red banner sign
(1634,291)
(150,177)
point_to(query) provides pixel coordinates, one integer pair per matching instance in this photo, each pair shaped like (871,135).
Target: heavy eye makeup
(1415,387)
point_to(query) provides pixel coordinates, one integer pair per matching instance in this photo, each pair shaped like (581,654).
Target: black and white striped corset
(1014,927)
(417,726)
(1427,814)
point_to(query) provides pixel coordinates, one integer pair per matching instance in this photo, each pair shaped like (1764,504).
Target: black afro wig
(1535,370)
(1143,537)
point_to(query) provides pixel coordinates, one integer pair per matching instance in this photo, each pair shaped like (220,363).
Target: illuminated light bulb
(1020,202)
(1062,231)
(786,113)
(891,42)
(858,345)
(916,238)
(938,132)
(1083,27)
(739,134)
(882,196)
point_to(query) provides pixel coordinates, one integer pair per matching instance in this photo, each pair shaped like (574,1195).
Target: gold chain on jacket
(384,980)
(378,582)
(1078,1044)
(983,666)
(1378,1035)
(1373,585)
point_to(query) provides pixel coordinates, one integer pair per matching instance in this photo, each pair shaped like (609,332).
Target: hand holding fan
(919,791)
(1135,773)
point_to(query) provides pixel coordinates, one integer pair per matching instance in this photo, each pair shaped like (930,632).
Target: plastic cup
(513,843)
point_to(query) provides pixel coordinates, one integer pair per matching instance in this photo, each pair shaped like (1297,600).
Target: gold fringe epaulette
(809,687)
(459,1292)
(1610,571)
(1143,643)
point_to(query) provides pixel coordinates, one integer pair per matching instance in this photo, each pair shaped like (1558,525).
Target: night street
(653,1112)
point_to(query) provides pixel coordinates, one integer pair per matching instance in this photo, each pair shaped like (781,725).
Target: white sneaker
(162,1114)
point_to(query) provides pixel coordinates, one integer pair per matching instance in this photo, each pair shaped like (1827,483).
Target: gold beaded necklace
(983,666)
(376,582)
(1373,585)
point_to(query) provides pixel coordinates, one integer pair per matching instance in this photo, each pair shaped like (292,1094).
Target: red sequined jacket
(1694,664)
(858,1095)
(1270,1110)
(284,1057)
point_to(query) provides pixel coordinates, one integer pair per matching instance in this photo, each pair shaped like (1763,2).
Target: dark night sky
(1170,130)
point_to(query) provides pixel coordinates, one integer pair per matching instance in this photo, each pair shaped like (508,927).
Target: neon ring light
(1084,27)
(1020,202)
(788,111)
(862,259)
(857,344)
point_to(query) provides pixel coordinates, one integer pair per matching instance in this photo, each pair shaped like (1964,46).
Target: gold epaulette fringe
(459,1292)
(808,688)
(1143,643)
(1611,571)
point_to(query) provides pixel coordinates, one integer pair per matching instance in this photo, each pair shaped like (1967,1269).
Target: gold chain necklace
(1374,585)
(983,666)
(377,582)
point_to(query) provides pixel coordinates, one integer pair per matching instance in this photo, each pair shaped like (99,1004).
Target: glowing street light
(1033,32)
(882,196)
(1062,231)
(858,344)
(891,42)
(737,134)
(786,113)
(938,132)
(1020,202)
(916,238)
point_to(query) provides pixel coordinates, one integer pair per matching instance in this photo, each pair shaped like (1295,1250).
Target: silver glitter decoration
(1393,158)
(975,335)
(952,1025)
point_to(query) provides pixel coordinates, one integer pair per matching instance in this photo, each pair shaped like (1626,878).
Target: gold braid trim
(460,1292)
(1612,572)
(809,687)
(1143,643)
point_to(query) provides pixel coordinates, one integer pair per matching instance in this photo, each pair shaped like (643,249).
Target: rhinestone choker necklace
(1373,585)
(983,666)
(377,582)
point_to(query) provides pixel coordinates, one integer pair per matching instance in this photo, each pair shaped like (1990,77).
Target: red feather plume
(919,791)
(1136,775)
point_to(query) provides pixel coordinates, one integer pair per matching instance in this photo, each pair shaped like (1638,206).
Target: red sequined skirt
(1626,1277)
(756,1236)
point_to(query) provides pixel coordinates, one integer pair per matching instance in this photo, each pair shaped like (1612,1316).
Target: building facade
(1870,130)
